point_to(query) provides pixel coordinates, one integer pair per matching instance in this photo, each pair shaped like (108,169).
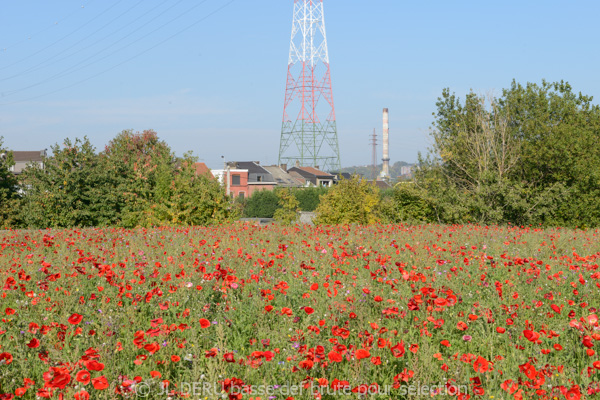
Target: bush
(287,212)
(310,197)
(350,201)
(405,203)
(261,204)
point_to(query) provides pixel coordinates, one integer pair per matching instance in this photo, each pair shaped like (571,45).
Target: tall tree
(9,195)
(68,190)
(135,160)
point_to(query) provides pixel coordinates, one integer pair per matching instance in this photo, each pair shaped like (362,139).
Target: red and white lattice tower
(309,132)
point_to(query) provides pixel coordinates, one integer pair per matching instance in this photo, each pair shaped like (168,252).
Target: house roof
(382,185)
(296,175)
(202,169)
(256,173)
(316,172)
(29,156)
(283,178)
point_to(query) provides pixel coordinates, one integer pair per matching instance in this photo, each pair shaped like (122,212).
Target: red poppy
(83,376)
(204,323)
(100,383)
(309,310)
(5,358)
(398,350)
(82,395)
(93,365)
(152,347)
(362,353)
(481,365)
(75,319)
(33,343)
(335,356)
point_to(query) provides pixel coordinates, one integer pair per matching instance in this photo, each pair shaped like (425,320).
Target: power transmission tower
(374,155)
(309,132)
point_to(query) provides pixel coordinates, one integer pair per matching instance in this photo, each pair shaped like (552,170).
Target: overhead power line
(47,62)
(62,38)
(29,37)
(128,59)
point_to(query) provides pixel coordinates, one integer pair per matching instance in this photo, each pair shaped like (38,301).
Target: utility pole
(374,155)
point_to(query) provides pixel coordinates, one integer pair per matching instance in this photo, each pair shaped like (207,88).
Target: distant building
(406,170)
(381,185)
(24,158)
(313,176)
(242,178)
(283,178)
(202,169)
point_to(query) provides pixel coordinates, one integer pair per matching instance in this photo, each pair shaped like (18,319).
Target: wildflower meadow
(240,311)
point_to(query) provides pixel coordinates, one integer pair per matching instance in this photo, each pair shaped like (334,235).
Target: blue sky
(70,68)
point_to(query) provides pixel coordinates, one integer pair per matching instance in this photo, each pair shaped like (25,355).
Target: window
(235,180)
(241,195)
(259,178)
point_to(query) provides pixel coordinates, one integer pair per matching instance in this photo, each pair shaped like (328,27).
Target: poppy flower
(93,365)
(204,323)
(82,395)
(309,310)
(335,357)
(83,376)
(75,318)
(100,383)
(6,358)
(362,353)
(481,365)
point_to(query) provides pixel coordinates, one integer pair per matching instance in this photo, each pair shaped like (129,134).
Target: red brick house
(243,178)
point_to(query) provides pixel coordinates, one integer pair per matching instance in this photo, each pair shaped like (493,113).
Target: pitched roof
(316,172)
(382,185)
(256,173)
(202,169)
(29,156)
(283,178)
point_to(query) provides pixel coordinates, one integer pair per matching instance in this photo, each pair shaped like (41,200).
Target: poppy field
(376,311)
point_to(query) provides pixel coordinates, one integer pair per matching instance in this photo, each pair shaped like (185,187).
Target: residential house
(242,178)
(24,158)
(381,185)
(283,178)
(202,169)
(312,176)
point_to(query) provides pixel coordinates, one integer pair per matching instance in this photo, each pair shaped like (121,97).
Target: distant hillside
(367,170)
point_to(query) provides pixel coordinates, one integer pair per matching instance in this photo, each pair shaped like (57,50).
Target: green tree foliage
(261,204)
(406,204)
(9,197)
(68,191)
(136,160)
(527,158)
(560,131)
(183,198)
(350,201)
(136,181)
(309,197)
(288,209)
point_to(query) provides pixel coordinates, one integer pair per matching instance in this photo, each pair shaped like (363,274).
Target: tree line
(135,181)
(529,156)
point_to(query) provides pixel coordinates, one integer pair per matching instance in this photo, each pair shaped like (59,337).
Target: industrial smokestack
(385,173)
